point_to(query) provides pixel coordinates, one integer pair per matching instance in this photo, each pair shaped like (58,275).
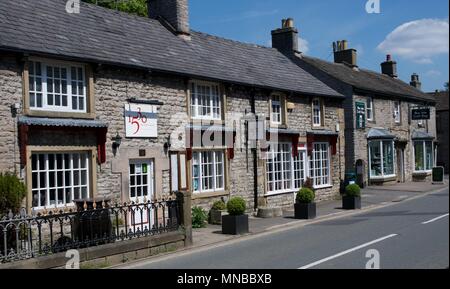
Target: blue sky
(415,32)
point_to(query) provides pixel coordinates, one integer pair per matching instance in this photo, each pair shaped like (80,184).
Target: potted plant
(217,211)
(199,218)
(236,223)
(352,198)
(305,208)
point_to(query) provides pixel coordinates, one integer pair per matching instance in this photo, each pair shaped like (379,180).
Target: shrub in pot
(217,211)
(199,218)
(352,198)
(305,208)
(236,223)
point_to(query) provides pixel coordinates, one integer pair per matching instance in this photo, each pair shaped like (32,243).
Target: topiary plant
(219,206)
(199,218)
(12,193)
(305,196)
(353,190)
(236,206)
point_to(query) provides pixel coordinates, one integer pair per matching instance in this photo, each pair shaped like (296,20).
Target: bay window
(59,178)
(381,158)
(423,156)
(320,165)
(284,173)
(208,171)
(206,102)
(57,87)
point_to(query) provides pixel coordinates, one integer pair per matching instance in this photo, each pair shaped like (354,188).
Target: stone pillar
(185,209)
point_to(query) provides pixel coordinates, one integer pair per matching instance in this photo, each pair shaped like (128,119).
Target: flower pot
(351,203)
(215,217)
(305,211)
(235,225)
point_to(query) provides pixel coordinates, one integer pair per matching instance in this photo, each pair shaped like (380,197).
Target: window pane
(429,155)
(375,159)
(418,156)
(388,157)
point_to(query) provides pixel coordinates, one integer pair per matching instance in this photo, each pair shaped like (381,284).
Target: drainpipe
(254,156)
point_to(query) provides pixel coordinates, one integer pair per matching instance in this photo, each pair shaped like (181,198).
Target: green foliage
(136,7)
(12,193)
(199,218)
(236,206)
(353,190)
(305,196)
(219,206)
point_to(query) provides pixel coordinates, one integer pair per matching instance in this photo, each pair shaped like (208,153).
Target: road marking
(347,251)
(435,219)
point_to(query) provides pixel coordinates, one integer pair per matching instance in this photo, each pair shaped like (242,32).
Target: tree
(136,7)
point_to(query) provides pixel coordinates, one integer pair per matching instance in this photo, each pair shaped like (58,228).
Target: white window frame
(213,174)
(369,109)
(276,117)
(313,162)
(215,102)
(150,180)
(64,186)
(44,85)
(382,176)
(397,112)
(292,171)
(424,152)
(314,110)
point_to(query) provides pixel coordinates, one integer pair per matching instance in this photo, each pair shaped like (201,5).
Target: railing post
(185,206)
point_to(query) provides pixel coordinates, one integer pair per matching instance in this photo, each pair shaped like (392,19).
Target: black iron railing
(49,232)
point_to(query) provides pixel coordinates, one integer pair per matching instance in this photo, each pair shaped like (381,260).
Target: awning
(322,135)
(216,128)
(421,135)
(379,133)
(26,124)
(283,131)
(322,132)
(61,122)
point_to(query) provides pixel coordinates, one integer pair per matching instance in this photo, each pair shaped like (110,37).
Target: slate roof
(39,121)
(102,35)
(369,81)
(418,134)
(441,100)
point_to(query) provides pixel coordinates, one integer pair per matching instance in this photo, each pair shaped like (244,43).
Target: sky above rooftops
(415,32)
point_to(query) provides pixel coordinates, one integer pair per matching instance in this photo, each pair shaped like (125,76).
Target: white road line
(435,219)
(346,252)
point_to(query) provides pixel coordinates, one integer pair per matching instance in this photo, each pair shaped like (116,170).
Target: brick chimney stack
(389,67)
(172,12)
(415,82)
(285,39)
(342,54)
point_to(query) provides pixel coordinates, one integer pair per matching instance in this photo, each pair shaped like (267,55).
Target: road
(413,234)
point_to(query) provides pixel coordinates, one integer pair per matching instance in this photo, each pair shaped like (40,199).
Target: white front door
(141,189)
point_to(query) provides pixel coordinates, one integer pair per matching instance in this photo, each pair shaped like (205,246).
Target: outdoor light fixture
(117,141)
(167,145)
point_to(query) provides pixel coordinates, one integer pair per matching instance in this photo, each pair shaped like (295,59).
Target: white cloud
(418,40)
(433,73)
(303,45)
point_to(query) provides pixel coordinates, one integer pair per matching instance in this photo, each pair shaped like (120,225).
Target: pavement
(393,212)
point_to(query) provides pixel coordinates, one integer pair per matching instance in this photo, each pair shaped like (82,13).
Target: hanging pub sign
(360,115)
(141,120)
(420,113)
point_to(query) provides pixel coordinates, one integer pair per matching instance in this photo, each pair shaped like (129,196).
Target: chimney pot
(388,57)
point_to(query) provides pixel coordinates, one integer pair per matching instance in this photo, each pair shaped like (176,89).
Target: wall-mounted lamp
(167,145)
(117,141)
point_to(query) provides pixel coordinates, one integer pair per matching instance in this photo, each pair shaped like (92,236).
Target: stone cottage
(390,126)
(105,105)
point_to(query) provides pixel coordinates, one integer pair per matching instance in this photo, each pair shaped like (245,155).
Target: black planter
(351,203)
(235,225)
(305,211)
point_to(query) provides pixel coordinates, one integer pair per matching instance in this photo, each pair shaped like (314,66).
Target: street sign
(360,115)
(420,114)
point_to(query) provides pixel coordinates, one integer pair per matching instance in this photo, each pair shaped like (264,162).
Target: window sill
(384,179)
(323,187)
(59,114)
(271,194)
(197,196)
(422,173)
